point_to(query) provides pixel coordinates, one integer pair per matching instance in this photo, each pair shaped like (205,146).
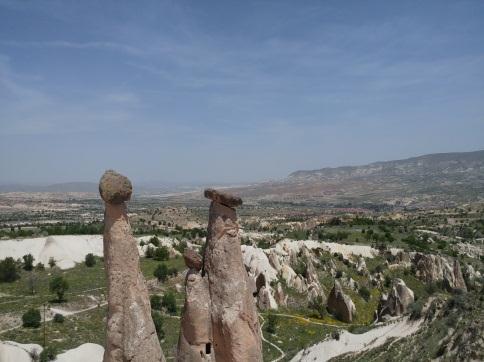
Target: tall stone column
(195,340)
(235,325)
(130,332)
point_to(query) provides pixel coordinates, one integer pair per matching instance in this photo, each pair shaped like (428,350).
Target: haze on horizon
(234,91)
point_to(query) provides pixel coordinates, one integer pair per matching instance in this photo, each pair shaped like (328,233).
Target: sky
(233,91)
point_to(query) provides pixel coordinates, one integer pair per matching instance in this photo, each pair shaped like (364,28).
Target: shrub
(48,354)
(59,286)
(181,246)
(31,318)
(388,281)
(317,304)
(162,253)
(155,301)
(8,270)
(149,252)
(365,293)
(40,266)
(161,272)
(155,241)
(339,274)
(415,309)
(90,260)
(169,302)
(142,243)
(51,262)
(28,262)
(271,323)
(58,318)
(158,321)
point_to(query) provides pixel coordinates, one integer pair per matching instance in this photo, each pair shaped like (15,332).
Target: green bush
(155,301)
(28,262)
(162,253)
(415,309)
(58,318)
(8,270)
(155,241)
(59,286)
(271,323)
(31,318)
(90,260)
(169,302)
(40,266)
(158,321)
(149,252)
(181,246)
(365,293)
(51,262)
(48,354)
(161,272)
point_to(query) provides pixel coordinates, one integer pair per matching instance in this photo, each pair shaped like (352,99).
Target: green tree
(90,260)
(155,301)
(49,353)
(365,293)
(162,253)
(161,272)
(169,302)
(155,241)
(59,286)
(28,262)
(51,262)
(58,318)
(8,270)
(158,321)
(31,318)
(271,323)
(149,252)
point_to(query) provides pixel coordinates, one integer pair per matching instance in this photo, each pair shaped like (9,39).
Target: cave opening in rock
(208,348)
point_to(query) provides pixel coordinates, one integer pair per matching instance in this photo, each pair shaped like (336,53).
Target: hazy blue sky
(234,90)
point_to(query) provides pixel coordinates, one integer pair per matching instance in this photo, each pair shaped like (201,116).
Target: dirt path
(60,311)
(283,354)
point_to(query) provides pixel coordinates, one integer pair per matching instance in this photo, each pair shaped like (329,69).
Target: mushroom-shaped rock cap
(115,188)
(223,198)
(193,260)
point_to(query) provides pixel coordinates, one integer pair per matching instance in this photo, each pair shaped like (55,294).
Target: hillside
(429,180)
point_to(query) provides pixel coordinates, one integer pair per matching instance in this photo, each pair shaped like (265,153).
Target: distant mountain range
(429,180)
(442,178)
(59,187)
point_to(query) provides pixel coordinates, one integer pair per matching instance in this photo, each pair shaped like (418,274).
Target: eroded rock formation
(130,332)
(397,301)
(195,340)
(220,306)
(341,305)
(433,268)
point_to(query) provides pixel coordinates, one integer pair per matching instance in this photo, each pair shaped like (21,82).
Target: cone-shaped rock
(235,325)
(130,332)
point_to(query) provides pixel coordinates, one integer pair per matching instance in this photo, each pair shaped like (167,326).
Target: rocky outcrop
(458,278)
(279,296)
(195,340)
(193,260)
(130,332)
(397,301)
(340,305)
(433,268)
(361,266)
(220,306)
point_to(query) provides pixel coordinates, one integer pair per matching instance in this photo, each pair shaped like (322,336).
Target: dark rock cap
(223,198)
(115,188)
(193,260)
